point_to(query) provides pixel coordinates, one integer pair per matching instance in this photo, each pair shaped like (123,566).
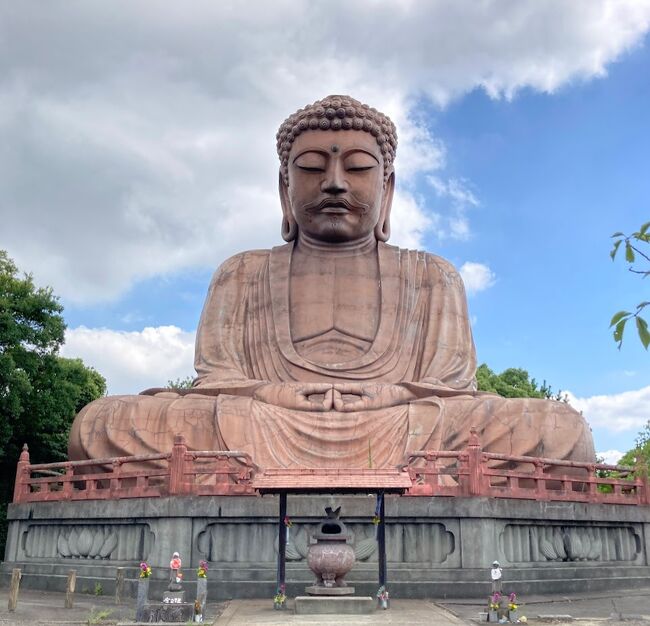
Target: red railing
(467,472)
(181,472)
(472,472)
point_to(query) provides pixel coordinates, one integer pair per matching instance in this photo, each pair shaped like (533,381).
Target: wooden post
(67,482)
(13,590)
(641,479)
(282,541)
(69,590)
(20,486)
(381,538)
(177,466)
(474,458)
(119,585)
(115,478)
(540,481)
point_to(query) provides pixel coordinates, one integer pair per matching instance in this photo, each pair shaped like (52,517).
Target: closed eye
(310,169)
(359,169)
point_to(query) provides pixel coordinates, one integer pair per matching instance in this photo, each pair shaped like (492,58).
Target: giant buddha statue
(335,349)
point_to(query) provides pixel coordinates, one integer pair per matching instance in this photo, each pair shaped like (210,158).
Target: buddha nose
(334,181)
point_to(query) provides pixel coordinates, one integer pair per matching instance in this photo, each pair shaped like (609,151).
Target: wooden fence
(467,472)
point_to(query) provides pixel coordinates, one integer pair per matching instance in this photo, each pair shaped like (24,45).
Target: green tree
(637,250)
(40,392)
(641,450)
(513,382)
(181,383)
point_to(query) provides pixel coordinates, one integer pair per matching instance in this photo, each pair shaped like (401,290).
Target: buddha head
(336,171)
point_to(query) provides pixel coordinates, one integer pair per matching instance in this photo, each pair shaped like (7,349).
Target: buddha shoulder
(438,269)
(240,267)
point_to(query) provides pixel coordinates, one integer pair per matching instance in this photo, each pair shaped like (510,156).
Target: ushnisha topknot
(337,113)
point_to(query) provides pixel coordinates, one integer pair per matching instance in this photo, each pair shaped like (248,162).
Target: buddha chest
(335,305)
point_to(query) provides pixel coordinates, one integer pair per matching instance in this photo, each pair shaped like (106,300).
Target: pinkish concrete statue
(336,346)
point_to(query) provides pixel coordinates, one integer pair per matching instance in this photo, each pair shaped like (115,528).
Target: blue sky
(134,169)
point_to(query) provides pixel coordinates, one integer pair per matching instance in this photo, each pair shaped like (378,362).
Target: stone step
(430,589)
(365,572)
(258,581)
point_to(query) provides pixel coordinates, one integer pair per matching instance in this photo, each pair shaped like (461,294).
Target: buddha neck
(309,245)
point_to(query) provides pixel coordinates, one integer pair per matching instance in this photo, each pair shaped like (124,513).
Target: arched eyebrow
(347,153)
(308,150)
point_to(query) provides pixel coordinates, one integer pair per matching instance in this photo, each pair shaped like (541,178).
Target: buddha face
(336,190)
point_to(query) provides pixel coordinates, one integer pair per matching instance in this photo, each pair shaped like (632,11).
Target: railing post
(592,484)
(22,478)
(67,483)
(641,476)
(474,458)
(177,466)
(540,481)
(115,478)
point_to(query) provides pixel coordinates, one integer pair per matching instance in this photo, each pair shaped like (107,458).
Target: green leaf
(629,253)
(615,249)
(644,228)
(644,334)
(618,317)
(618,234)
(618,331)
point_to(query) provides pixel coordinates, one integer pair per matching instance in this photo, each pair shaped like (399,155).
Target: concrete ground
(405,612)
(631,608)
(587,609)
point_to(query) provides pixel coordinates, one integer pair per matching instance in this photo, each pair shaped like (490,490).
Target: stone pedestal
(435,547)
(143,594)
(174,597)
(167,612)
(333,605)
(318,590)
(202,593)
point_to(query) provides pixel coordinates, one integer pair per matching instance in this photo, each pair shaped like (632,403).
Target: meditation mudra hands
(344,397)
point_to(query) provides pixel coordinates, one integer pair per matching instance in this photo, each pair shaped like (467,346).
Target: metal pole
(381,539)
(282,540)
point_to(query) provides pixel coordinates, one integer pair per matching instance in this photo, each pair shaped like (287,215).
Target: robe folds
(423,342)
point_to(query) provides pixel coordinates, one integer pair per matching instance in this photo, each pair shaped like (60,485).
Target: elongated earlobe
(382,230)
(289,229)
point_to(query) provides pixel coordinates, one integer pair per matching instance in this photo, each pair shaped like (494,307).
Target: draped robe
(423,343)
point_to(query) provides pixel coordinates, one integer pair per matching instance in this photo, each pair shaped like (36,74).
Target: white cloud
(611,457)
(133,361)
(477,277)
(626,411)
(461,197)
(138,138)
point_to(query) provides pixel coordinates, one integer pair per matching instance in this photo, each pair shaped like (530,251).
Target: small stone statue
(175,574)
(495,574)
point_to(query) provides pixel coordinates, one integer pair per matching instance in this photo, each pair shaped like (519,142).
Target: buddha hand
(299,396)
(368,396)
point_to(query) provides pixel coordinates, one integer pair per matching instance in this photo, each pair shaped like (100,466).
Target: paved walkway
(404,612)
(631,608)
(597,607)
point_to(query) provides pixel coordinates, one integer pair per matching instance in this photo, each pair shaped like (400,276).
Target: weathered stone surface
(165,612)
(312,605)
(474,531)
(174,597)
(318,590)
(88,541)
(349,347)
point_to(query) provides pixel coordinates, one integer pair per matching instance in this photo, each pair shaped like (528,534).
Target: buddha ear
(289,227)
(382,229)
